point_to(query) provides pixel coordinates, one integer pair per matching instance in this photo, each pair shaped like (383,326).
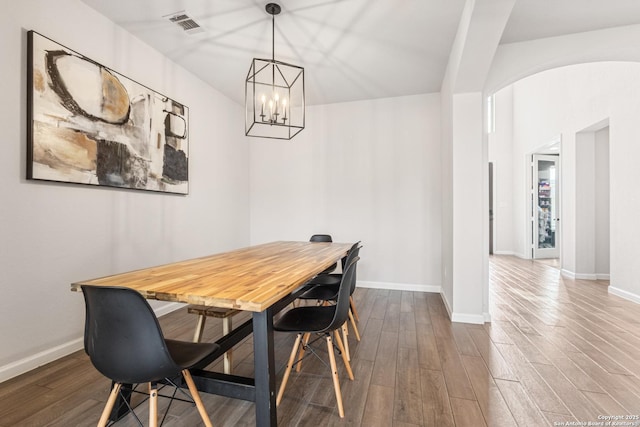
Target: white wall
(568,100)
(367,170)
(602,204)
(54,234)
(500,153)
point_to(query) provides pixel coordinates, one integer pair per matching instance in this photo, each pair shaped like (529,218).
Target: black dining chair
(323,321)
(325,289)
(125,343)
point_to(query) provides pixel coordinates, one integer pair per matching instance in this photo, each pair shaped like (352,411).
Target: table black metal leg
(265,369)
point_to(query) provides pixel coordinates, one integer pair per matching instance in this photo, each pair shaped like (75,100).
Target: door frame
(536,251)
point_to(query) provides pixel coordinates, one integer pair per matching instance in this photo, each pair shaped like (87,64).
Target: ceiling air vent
(185,22)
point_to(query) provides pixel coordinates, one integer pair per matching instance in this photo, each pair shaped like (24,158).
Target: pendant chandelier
(274,94)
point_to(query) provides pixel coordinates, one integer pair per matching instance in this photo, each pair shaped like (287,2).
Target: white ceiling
(350,49)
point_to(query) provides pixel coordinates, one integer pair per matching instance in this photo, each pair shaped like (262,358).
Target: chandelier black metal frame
(274,94)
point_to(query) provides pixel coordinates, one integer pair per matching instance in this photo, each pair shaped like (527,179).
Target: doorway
(545,203)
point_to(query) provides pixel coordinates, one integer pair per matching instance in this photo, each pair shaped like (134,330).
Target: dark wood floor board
(407,320)
(492,357)
(630,401)
(380,304)
(577,403)
(408,338)
(467,413)
(559,419)
(580,379)
(406,302)
(492,404)
(538,390)
(455,376)
(604,403)
(378,411)
(592,349)
(384,368)
(421,308)
(496,333)
(428,357)
(530,351)
(435,399)
(368,348)
(522,408)
(354,393)
(392,318)
(463,340)
(407,405)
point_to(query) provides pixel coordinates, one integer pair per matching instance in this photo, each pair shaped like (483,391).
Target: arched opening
(592,108)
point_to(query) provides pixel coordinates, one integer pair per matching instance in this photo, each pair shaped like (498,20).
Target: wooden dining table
(261,279)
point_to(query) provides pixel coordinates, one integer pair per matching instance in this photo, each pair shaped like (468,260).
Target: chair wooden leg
(305,341)
(334,375)
(285,378)
(228,356)
(355,327)
(153,405)
(196,398)
(345,333)
(347,365)
(353,308)
(197,336)
(104,419)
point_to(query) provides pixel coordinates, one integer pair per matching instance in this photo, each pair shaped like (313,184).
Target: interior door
(545,203)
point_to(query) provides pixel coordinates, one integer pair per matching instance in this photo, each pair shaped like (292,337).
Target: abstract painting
(91,125)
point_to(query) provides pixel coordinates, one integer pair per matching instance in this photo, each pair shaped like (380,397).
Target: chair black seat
(314,319)
(188,354)
(326,279)
(322,292)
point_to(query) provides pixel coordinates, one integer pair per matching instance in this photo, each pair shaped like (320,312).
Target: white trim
(28,363)
(477,319)
(512,253)
(400,286)
(588,276)
(446,304)
(625,294)
(168,308)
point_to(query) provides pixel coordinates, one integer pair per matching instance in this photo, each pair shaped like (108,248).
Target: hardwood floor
(556,351)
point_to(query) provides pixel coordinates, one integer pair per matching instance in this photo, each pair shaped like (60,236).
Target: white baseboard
(28,363)
(447,305)
(625,294)
(504,253)
(584,276)
(476,319)
(400,286)
(168,308)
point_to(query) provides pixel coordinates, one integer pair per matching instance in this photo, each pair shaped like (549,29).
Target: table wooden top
(251,279)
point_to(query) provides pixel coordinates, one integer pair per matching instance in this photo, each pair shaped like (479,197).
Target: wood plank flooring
(556,351)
